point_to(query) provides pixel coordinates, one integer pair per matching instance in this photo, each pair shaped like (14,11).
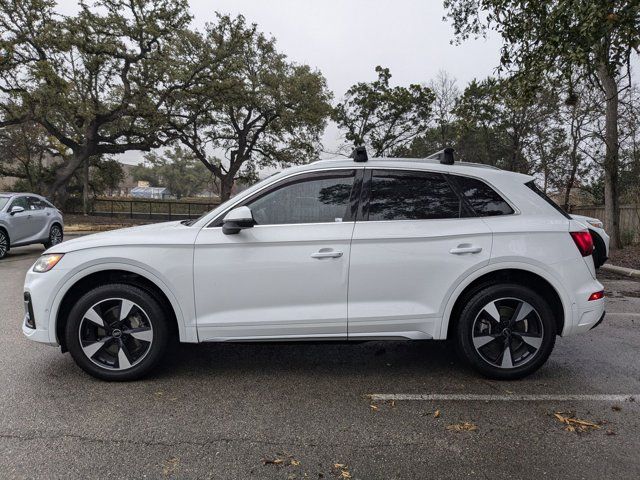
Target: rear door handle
(326,253)
(465,248)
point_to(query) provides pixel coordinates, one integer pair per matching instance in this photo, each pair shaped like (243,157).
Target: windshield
(3,201)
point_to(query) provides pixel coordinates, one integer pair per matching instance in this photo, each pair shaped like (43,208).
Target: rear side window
(483,199)
(544,196)
(36,204)
(406,195)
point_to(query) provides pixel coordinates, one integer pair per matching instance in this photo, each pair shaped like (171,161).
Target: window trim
(352,208)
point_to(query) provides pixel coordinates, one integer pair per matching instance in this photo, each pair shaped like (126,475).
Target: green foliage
(382,117)
(106,176)
(177,169)
(28,154)
(100,82)
(262,111)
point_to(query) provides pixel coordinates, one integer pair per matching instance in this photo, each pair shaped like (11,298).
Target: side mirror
(236,220)
(16,209)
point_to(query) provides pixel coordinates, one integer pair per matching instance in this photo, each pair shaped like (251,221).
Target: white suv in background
(387,249)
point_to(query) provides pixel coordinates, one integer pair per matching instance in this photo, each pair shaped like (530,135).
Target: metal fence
(629,220)
(146,208)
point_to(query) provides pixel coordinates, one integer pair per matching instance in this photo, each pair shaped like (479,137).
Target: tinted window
(404,195)
(484,200)
(36,203)
(543,195)
(317,198)
(19,202)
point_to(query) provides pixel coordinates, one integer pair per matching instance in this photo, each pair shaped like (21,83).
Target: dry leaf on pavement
(436,414)
(573,424)
(462,427)
(281,459)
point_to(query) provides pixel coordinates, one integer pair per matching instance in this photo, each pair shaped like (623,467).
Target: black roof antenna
(359,154)
(445,156)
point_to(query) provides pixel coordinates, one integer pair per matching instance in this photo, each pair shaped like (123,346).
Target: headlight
(596,223)
(47,262)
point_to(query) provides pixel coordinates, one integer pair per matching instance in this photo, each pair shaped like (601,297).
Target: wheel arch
(526,275)
(88,279)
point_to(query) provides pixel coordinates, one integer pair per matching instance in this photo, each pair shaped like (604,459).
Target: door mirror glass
(236,220)
(16,209)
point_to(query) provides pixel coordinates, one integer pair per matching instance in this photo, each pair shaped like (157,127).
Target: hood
(168,233)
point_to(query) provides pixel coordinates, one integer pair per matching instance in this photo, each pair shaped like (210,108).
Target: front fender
(186,327)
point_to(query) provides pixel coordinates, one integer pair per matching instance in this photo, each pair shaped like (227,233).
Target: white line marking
(609,314)
(505,398)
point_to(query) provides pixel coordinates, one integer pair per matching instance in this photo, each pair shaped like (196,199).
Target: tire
(4,244)
(599,250)
(482,340)
(112,349)
(56,236)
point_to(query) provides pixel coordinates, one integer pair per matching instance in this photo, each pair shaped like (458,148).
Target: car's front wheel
(117,332)
(506,331)
(55,236)
(4,244)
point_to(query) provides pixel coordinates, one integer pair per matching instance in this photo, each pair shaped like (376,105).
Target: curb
(627,272)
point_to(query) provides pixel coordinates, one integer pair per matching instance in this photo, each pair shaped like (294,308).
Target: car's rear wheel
(55,236)
(506,331)
(117,332)
(4,244)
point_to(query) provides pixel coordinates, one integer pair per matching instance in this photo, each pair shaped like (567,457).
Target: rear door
(415,239)
(39,221)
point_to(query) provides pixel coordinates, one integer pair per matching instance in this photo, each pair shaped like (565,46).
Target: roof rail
(445,156)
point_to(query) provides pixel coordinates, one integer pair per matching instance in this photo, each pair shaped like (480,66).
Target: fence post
(131,209)
(169,210)
(189,209)
(111,208)
(150,216)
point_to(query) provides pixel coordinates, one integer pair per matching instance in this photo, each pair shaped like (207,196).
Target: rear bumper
(599,321)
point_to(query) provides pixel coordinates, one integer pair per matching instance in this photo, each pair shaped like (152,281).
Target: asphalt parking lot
(304,411)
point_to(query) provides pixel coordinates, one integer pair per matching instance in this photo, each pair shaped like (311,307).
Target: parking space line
(625,397)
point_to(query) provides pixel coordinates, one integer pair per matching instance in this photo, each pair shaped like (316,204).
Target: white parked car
(599,237)
(386,249)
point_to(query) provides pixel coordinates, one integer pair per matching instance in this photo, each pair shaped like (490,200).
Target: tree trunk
(226,185)
(58,189)
(85,188)
(611,162)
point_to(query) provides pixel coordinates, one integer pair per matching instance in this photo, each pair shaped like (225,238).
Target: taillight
(596,295)
(584,242)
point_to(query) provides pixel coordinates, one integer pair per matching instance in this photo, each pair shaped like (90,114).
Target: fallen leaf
(374,408)
(610,432)
(339,465)
(573,424)
(170,466)
(436,414)
(462,427)
(281,459)
(343,470)
(616,408)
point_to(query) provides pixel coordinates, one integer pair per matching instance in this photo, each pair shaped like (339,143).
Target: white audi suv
(384,249)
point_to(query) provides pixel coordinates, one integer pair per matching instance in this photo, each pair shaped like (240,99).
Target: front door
(287,276)
(21,225)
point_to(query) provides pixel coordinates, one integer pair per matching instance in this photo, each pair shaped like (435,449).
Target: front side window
(314,198)
(484,200)
(19,202)
(407,195)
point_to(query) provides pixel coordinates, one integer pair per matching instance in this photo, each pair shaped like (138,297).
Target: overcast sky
(346,39)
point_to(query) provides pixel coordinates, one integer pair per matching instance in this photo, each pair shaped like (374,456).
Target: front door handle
(465,248)
(326,253)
